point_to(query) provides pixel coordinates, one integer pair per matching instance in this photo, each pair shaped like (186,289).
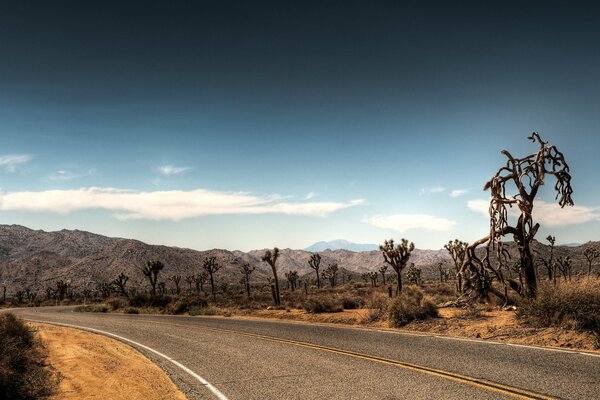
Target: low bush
(22,373)
(321,304)
(375,307)
(571,305)
(350,302)
(203,311)
(131,310)
(146,300)
(410,305)
(97,308)
(116,303)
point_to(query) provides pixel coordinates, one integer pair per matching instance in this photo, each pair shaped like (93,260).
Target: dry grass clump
(95,308)
(570,305)
(410,305)
(376,306)
(22,373)
(321,304)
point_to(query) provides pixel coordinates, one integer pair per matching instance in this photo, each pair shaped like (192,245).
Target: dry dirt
(92,366)
(495,325)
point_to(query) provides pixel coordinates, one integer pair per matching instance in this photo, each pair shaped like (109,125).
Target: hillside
(36,259)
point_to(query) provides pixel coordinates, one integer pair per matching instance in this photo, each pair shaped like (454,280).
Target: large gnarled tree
(526,175)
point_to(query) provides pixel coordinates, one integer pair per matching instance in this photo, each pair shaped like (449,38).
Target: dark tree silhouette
(330,274)
(549,263)
(458,252)
(247,269)
(591,255)
(199,281)
(373,277)
(292,278)
(270,257)
(119,282)
(397,256)
(413,274)
(527,175)
(211,266)
(382,270)
(151,271)
(176,279)
(315,263)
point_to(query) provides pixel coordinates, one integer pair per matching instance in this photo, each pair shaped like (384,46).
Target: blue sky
(248,126)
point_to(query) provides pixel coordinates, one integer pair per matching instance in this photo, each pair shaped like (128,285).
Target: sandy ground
(493,325)
(95,367)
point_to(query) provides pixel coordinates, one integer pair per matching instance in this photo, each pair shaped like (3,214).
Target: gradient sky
(246,125)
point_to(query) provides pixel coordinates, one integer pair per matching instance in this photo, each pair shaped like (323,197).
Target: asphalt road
(258,359)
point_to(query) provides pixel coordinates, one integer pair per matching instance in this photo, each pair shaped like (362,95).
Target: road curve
(258,359)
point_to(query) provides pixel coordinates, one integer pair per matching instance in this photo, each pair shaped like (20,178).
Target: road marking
(200,379)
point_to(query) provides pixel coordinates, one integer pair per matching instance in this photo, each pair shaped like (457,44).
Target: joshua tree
(413,274)
(176,279)
(211,266)
(550,264)
(162,286)
(62,288)
(3,294)
(189,279)
(270,257)
(527,175)
(444,274)
(247,269)
(151,271)
(315,263)
(104,288)
(292,278)
(373,277)
(19,296)
(119,282)
(382,270)
(397,256)
(330,273)
(591,255)
(565,265)
(365,277)
(200,280)
(458,252)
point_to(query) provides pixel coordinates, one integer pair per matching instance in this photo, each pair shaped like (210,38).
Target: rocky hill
(36,259)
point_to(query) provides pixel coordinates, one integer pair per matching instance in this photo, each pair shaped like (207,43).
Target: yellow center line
(480,383)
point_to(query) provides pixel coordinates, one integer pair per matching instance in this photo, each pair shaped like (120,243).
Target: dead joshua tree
(211,266)
(397,256)
(176,279)
(458,252)
(382,270)
(151,271)
(270,257)
(527,175)
(591,255)
(119,282)
(247,269)
(315,264)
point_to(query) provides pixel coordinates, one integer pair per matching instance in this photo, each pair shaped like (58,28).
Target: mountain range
(340,244)
(36,259)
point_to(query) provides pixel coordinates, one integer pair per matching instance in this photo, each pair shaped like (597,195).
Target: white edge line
(200,379)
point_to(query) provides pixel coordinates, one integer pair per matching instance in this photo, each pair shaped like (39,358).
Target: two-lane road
(209,357)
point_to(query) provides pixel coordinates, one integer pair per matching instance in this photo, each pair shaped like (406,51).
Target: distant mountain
(36,259)
(571,244)
(340,244)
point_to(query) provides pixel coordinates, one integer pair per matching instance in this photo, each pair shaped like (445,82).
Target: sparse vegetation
(410,305)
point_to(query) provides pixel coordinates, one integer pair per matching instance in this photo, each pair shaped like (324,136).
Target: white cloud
(10,162)
(173,205)
(547,214)
(310,195)
(458,192)
(64,175)
(168,170)
(405,222)
(432,190)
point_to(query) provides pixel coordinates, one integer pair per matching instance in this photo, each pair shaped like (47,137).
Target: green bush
(96,308)
(22,373)
(571,305)
(410,305)
(321,304)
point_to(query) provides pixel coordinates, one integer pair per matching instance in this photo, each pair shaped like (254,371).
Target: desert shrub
(203,311)
(321,304)
(410,305)
(574,305)
(350,302)
(98,308)
(145,300)
(375,307)
(116,303)
(131,310)
(22,373)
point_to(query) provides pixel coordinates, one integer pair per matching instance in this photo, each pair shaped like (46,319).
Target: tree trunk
(212,287)
(399,287)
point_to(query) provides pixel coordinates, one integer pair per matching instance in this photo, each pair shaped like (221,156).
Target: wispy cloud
(406,222)
(65,175)
(458,193)
(169,170)
(547,214)
(173,205)
(432,190)
(10,162)
(310,195)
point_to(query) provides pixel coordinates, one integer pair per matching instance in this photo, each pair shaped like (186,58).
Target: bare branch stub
(527,174)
